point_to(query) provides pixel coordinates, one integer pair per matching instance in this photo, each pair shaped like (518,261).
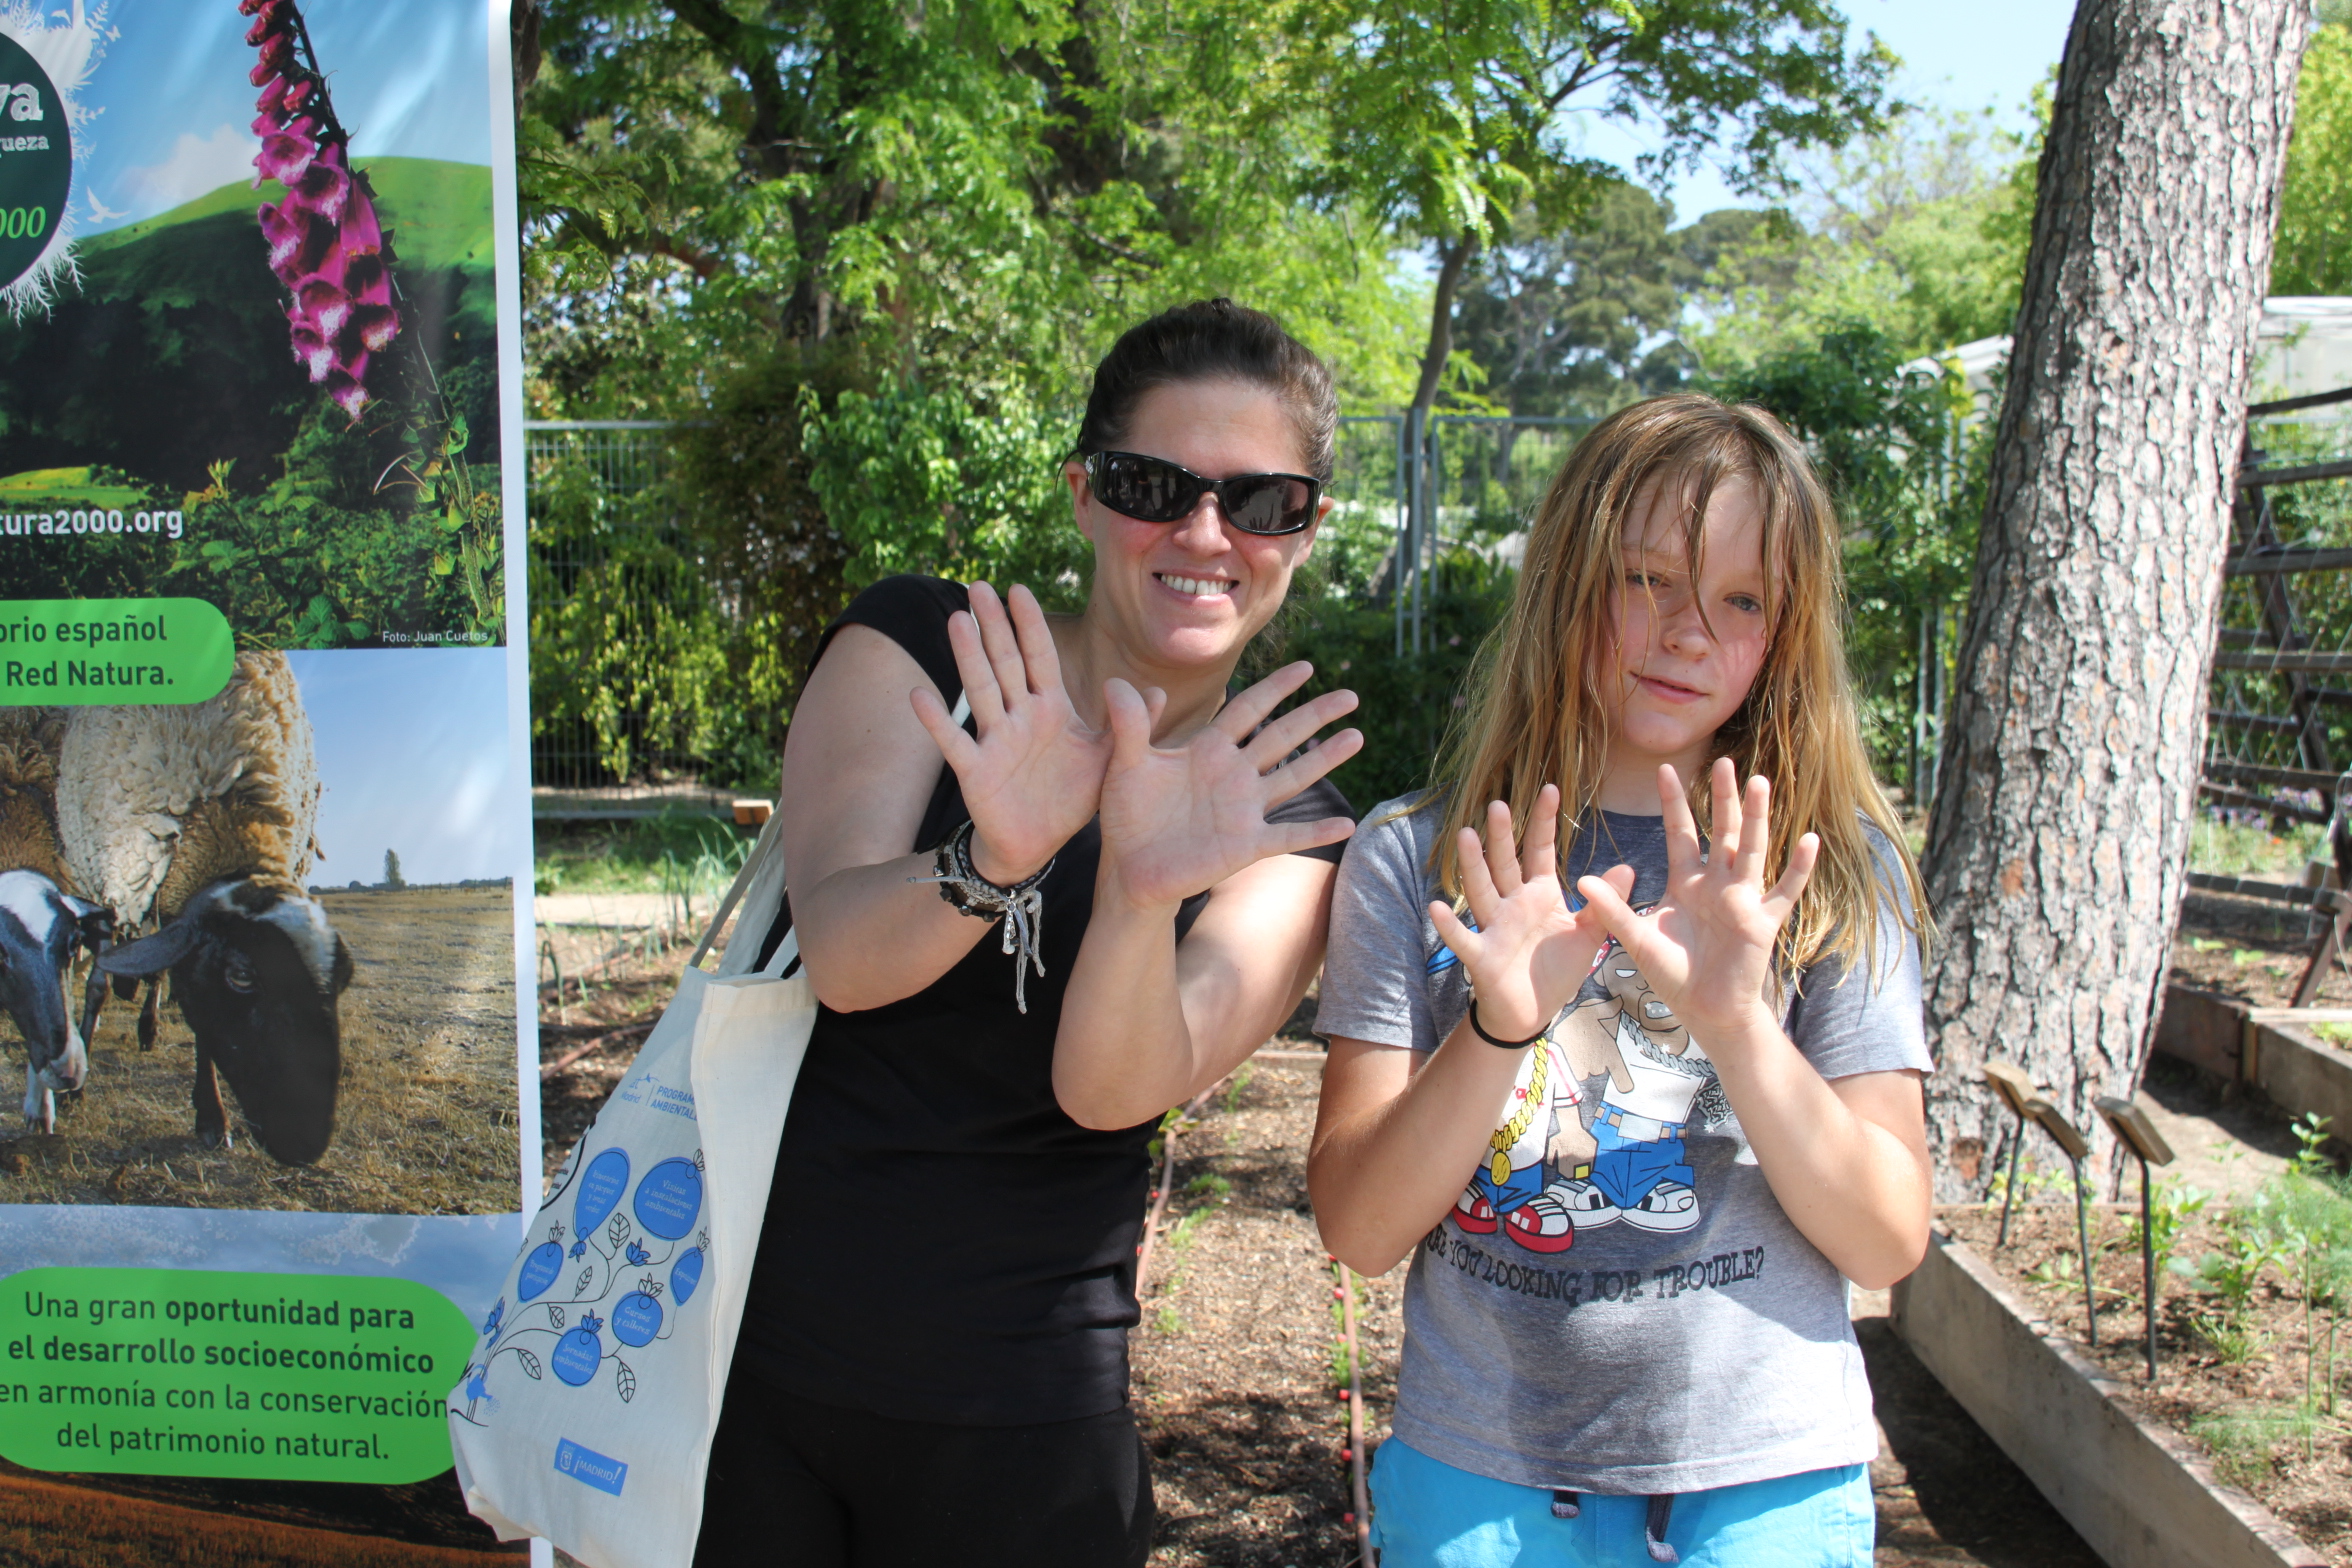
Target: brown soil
(1234,1376)
(426,1120)
(1234,1362)
(2200,1372)
(2250,949)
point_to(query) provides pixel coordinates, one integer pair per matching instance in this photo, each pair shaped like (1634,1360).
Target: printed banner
(265,835)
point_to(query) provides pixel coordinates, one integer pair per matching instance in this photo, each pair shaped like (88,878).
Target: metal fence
(595,488)
(1409,495)
(1406,495)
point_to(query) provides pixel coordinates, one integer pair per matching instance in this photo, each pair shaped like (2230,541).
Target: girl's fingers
(1038,653)
(1539,857)
(955,746)
(1308,766)
(1723,789)
(1455,935)
(1004,651)
(1606,904)
(979,676)
(1791,885)
(1682,829)
(1155,703)
(1755,832)
(1248,710)
(1286,734)
(1502,856)
(1477,879)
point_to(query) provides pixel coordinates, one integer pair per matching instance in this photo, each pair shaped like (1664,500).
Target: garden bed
(2243,1388)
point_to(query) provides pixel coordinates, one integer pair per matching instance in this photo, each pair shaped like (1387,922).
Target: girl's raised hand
(1530,952)
(1034,776)
(1178,820)
(1706,949)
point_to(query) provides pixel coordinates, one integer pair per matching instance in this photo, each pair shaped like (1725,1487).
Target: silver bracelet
(1022,905)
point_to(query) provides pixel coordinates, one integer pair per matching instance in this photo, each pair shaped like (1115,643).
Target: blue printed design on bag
(554,1326)
(590,1468)
(539,1271)
(669,1199)
(637,1318)
(601,1186)
(578,1353)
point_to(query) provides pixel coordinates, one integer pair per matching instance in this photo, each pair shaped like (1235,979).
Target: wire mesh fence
(607,558)
(1413,563)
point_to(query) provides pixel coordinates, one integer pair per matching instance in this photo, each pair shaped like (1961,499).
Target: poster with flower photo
(264,785)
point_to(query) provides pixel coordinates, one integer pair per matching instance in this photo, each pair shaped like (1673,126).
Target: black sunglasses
(1154,490)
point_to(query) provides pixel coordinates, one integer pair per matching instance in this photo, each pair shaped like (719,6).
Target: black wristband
(1508,1045)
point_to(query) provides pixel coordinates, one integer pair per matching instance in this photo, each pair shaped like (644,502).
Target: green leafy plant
(2171,1206)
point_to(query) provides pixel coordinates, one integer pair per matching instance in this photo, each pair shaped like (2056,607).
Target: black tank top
(942,1242)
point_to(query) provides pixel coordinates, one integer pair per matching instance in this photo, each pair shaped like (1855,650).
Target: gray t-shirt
(1617,1303)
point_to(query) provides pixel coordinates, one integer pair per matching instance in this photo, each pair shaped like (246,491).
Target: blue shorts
(1427,1514)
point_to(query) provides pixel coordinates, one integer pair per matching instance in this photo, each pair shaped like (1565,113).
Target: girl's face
(1683,651)
(1195,591)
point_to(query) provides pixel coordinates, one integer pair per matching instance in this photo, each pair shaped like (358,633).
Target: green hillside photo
(166,376)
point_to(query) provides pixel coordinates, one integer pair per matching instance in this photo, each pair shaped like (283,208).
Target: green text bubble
(294,1377)
(83,652)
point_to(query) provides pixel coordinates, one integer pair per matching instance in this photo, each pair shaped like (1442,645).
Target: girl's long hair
(1540,702)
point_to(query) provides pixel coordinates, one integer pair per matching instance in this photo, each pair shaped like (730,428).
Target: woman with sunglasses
(933,1365)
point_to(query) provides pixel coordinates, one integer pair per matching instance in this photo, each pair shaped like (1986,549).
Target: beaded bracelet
(1022,905)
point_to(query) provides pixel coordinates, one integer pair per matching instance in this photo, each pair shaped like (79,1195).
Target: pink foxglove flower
(326,244)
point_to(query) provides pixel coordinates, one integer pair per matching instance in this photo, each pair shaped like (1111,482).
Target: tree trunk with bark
(2057,852)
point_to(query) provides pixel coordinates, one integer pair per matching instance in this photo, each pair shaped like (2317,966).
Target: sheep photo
(205,1015)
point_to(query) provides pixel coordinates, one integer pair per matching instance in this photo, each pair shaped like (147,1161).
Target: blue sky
(1988,53)
(412,749)
(409,78)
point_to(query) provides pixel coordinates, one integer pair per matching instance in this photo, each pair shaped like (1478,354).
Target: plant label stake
(2139,1134)
(2069,1138)
(2010,1082)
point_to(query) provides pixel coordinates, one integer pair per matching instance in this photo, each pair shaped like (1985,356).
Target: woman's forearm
(1125,1052)
(1389,1159)
(1851,1183)
(1148,1022)
(868,936)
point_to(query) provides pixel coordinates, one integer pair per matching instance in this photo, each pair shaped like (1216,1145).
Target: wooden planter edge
(2265,1047)
(2140,1494)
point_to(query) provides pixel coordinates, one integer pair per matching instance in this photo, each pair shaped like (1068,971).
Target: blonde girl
(1628,1057)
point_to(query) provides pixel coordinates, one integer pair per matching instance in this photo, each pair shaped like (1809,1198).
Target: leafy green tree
(1571,321)
(2314,254)
(1451,117)
(1918,229)
(1908,485)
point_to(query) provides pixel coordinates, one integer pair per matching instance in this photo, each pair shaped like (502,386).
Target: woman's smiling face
(1197,590)
(1685,652)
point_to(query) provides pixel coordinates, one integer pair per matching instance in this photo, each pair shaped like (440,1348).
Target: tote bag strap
(767,849)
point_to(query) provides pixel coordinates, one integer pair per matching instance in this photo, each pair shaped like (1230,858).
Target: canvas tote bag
(595,1381)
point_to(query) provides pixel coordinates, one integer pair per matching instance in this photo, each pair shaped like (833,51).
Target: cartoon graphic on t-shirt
(1543,1130)
(1542,1133)
(1659,1080)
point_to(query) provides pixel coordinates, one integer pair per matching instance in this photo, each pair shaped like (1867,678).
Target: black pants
(805,1485)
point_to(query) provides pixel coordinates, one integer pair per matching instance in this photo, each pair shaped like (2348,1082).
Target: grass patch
(675,852)
(2239,849)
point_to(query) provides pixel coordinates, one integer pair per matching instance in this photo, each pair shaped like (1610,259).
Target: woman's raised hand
(1529,952)
(1178,820)
(1706,948)
(1034,776)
